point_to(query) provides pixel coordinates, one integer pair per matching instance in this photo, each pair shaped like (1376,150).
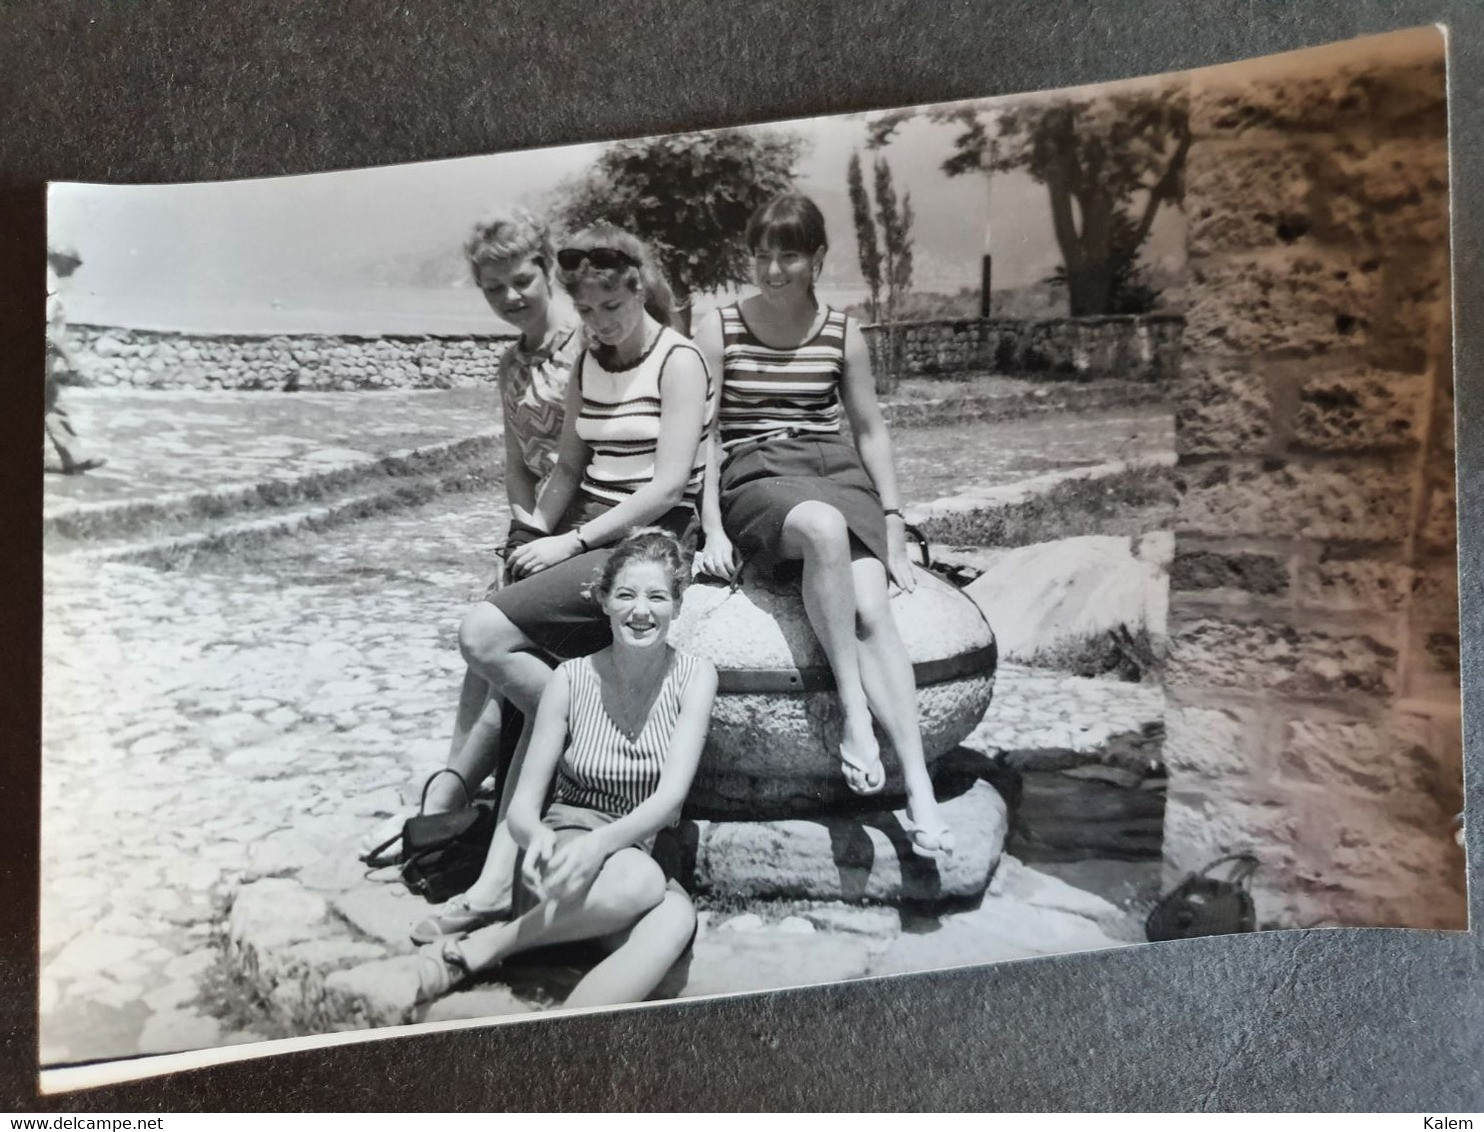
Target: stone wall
(1131,347)
(148,359)
(1314,672)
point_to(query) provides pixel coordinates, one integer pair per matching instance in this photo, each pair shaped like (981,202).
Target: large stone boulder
(773,747)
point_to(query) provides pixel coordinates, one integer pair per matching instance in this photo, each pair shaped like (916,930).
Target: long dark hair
(790,222)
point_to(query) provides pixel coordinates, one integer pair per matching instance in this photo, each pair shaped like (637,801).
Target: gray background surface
(170,91)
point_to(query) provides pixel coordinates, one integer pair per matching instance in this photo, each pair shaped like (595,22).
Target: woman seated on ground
(621,733)
(513,261)
(631,455)
(784,486)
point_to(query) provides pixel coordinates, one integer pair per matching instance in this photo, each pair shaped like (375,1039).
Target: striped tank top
(602,768)
(766,390)
(620,421)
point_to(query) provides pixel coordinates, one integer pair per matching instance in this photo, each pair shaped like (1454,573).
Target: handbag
(1203,904)
(443,854)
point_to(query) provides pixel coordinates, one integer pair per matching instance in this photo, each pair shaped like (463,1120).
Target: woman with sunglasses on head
(784,486)
(631,455)
(514,264)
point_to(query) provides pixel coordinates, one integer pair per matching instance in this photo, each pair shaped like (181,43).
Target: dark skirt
(551,607)
(762,482)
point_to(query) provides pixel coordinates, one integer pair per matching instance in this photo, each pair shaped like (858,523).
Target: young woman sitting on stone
(620,732)
(514,263)
(631,455)
(784,486)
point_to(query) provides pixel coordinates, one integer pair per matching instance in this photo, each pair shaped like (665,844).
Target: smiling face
(519,292)
(613,315)
(784,276)
(641,604)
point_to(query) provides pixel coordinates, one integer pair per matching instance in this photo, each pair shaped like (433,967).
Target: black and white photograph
(746,559)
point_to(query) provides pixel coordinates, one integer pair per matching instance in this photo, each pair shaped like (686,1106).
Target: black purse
(1202,904)
(443,854)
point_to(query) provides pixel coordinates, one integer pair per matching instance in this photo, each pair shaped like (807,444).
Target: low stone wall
(1129,347)
(1314,668)
(150,359)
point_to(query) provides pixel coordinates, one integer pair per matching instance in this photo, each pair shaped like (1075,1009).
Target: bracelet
(582,542)
(897,511)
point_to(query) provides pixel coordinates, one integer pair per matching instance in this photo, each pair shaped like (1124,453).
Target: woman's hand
(718,558)
(538,860)
(898,565)
(573,867)
(543,553)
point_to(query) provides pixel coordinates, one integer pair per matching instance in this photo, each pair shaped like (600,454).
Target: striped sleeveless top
(602,768)
(620,421)
(766,390)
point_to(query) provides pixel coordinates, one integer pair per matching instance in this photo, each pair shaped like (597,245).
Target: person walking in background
(617,736)
(71,452)
(785,488)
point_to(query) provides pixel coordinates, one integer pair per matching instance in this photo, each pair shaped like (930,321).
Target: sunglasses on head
(604,259)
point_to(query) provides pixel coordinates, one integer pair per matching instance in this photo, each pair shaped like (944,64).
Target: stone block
(1359,413)
(1206,745)
(1297,301)
(1406,98)
(1258,656)
(1387,756)
(1342,500)
(1220,408)
(1243,571)
(1435,590)
(1248,194)
(729,962)
(1388,194)
(1439,531)
(1358,584)
(1412,296)
(861,857)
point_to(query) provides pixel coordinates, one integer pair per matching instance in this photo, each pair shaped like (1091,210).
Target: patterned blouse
(533,392)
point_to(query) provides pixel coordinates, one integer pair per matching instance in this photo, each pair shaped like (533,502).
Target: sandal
(457,917)
(935,844)
(863,780)
(441,966)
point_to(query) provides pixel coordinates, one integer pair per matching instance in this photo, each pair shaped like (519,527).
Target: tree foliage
(868,250)
(1108,163)
(689,196)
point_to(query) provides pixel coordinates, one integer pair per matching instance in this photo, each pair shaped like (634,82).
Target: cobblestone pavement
(168,441)
(246,716)
(249,716)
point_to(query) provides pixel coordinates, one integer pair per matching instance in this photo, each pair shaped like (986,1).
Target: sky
(377,250)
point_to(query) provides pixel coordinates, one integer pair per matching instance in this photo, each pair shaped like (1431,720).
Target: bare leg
(817,534)
(886,673)
(475,745)
(504,656)
(644,955)
(628,886)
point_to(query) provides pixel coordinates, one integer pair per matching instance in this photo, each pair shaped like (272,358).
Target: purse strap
(422,804)
(1243,866)
(922,543)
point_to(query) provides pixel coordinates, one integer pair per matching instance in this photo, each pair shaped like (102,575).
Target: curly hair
(644,544)
(504,236)
(659,299)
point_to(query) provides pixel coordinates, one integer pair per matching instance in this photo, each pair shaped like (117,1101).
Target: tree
(865,235)
(689,196)
(896,235)
(1108,163)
